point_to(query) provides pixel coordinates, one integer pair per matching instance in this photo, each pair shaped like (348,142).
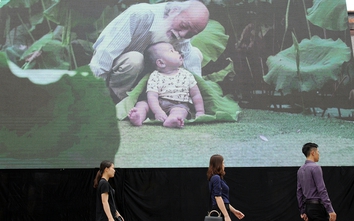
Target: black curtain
(164,194)
(47,195)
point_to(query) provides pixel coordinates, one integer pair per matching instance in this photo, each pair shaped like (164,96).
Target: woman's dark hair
(216,166)
(104,164)
(306,149)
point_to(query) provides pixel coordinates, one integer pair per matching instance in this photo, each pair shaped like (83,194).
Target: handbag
(119,218)
(213,218)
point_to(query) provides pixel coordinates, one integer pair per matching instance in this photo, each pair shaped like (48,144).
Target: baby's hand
(199,114)
(161,116)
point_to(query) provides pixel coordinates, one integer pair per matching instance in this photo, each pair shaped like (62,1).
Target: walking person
(105,206)
(313,200)
(219,190)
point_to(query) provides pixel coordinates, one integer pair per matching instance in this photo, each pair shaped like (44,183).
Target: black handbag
(119,218)
(213,218)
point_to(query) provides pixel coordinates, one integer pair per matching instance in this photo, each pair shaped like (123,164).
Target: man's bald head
(187,18)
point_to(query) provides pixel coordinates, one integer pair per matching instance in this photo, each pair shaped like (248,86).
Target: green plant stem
(24,25)
(233,67)
(286,24)
(261,60)
(249,67)
(67,39)
(336,86)
(273,47)
(297,55)
(73,55)
(307,21)
(25,65)
(49,26)
(232,24)
(7,29)
(303,103)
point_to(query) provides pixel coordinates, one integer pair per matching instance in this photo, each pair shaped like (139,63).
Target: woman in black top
(219,190)
(105,205)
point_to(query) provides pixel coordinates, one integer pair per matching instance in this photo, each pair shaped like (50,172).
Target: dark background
(161,194)
(69,112)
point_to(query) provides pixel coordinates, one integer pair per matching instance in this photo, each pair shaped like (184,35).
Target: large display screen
(350,6)
(275,74)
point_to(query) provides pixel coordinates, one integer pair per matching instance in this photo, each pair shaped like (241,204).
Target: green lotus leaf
(329,14)
(218,108)
(36,20)
(54,56)
(68,121)
(53,53)
(37,45)
(320,62)
(17,3)
(73,13)
(3,3)
(211,41)
(16,41)
(220,75)
(39,76)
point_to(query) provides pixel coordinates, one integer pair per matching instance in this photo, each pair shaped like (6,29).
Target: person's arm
(118,215)
(236,212)
(300,199)
(197,100)
(106,208)
(221,205)
(322,190)
(332,216)
(304,217)
(117,36)
(153,101)
(114,38)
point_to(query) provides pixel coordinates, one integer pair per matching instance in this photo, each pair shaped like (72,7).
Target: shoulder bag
(213,218)
(119,218)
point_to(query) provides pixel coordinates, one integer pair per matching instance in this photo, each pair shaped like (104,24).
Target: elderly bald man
(118,51)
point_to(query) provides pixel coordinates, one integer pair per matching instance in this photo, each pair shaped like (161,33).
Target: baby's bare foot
(180,122)
(135,117)
(174,123)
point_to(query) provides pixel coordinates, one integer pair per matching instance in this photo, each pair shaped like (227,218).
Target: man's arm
(321,188)
(301,200)
(117,36)
(300,196)
(110,44)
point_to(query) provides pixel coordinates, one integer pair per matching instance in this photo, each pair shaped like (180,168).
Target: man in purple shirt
(312,196)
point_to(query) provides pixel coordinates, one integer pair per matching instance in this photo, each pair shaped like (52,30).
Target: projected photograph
(168,84)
